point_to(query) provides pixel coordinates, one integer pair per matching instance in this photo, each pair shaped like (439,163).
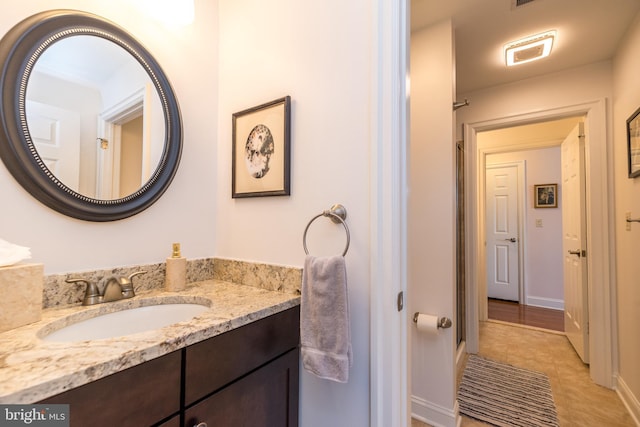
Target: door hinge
(400,301)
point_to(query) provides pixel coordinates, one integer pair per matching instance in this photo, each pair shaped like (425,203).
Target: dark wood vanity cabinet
(264,398)
(139,396)
(245,377)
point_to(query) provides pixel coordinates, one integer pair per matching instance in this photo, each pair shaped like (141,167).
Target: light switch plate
(539,223)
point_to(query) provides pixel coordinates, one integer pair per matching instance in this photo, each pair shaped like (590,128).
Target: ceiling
(588,31)
(84,59)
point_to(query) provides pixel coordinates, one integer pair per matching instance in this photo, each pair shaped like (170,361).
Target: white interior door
(503,264)
(576,297)
(56,134)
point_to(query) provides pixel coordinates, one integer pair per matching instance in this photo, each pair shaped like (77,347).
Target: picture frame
(545,195)
(261,152)
(633,144)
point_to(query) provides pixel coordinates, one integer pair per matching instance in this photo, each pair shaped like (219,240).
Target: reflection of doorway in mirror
(119,175)
(131,156)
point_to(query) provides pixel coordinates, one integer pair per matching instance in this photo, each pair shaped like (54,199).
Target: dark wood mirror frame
(19,50)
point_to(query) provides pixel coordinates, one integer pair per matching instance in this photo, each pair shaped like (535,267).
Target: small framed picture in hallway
(545,195)
(633,143)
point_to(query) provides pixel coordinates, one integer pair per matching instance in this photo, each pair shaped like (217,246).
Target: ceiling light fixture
(529,49)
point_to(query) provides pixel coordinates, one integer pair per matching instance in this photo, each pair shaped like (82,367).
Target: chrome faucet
(115,288)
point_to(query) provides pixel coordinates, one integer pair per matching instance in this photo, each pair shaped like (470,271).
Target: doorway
(126,134)
(524,239)
(602,361)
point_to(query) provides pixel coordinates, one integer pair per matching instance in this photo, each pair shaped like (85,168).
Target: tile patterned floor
(579,401)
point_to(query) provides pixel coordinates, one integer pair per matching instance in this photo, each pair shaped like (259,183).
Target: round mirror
(90,124)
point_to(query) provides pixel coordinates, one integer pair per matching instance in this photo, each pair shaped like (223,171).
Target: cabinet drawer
(211,364)
(268,397)
(141,395)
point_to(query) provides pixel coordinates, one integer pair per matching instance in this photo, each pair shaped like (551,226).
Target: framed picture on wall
(262,150)
(545,195)
(633,144)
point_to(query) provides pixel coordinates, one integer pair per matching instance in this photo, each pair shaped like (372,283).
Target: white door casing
(55,132)
(502,232)
(576,296)
(390,385)
(599,206)
(110,122)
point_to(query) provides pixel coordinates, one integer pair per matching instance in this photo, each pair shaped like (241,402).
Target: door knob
(574,253)
(512,240)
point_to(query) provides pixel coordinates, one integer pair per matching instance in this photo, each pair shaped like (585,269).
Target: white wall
(627,196)
(431,222)
(186,213)
(319,53)
(570,87)
(543,245)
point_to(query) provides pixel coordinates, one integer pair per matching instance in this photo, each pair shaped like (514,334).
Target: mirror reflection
(95,117)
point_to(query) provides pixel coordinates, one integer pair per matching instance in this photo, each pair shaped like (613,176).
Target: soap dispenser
(176,271)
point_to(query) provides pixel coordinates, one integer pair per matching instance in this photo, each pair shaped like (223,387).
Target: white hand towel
(324,319)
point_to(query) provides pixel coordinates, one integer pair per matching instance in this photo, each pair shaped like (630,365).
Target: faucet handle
(91,293)
(127,284)
(137,273)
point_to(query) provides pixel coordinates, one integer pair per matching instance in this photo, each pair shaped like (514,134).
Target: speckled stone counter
(32,369)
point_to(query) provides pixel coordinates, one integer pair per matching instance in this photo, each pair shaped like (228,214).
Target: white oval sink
(126,322)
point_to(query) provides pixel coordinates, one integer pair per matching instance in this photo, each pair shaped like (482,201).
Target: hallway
(579,401)
(512,312)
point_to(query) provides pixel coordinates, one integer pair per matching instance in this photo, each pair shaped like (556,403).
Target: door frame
(110,122)
(390,383)
(521,167)
(599,206)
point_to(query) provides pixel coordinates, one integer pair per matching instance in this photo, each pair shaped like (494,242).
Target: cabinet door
(173,422)
(268,397)
(139,396)
(214,363)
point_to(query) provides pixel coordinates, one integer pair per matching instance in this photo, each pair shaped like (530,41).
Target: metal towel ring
(337,214)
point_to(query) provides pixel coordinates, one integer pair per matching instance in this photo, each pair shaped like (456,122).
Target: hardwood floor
(512,312)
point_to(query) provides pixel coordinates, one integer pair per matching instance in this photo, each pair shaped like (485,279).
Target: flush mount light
(529,49)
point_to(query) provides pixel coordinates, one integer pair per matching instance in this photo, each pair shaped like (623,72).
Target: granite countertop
(32,369)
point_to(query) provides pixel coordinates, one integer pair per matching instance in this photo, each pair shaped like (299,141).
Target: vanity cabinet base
(245,377)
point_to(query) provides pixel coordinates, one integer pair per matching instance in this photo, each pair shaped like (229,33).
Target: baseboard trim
(434,414)
(628,399)
(555,304)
